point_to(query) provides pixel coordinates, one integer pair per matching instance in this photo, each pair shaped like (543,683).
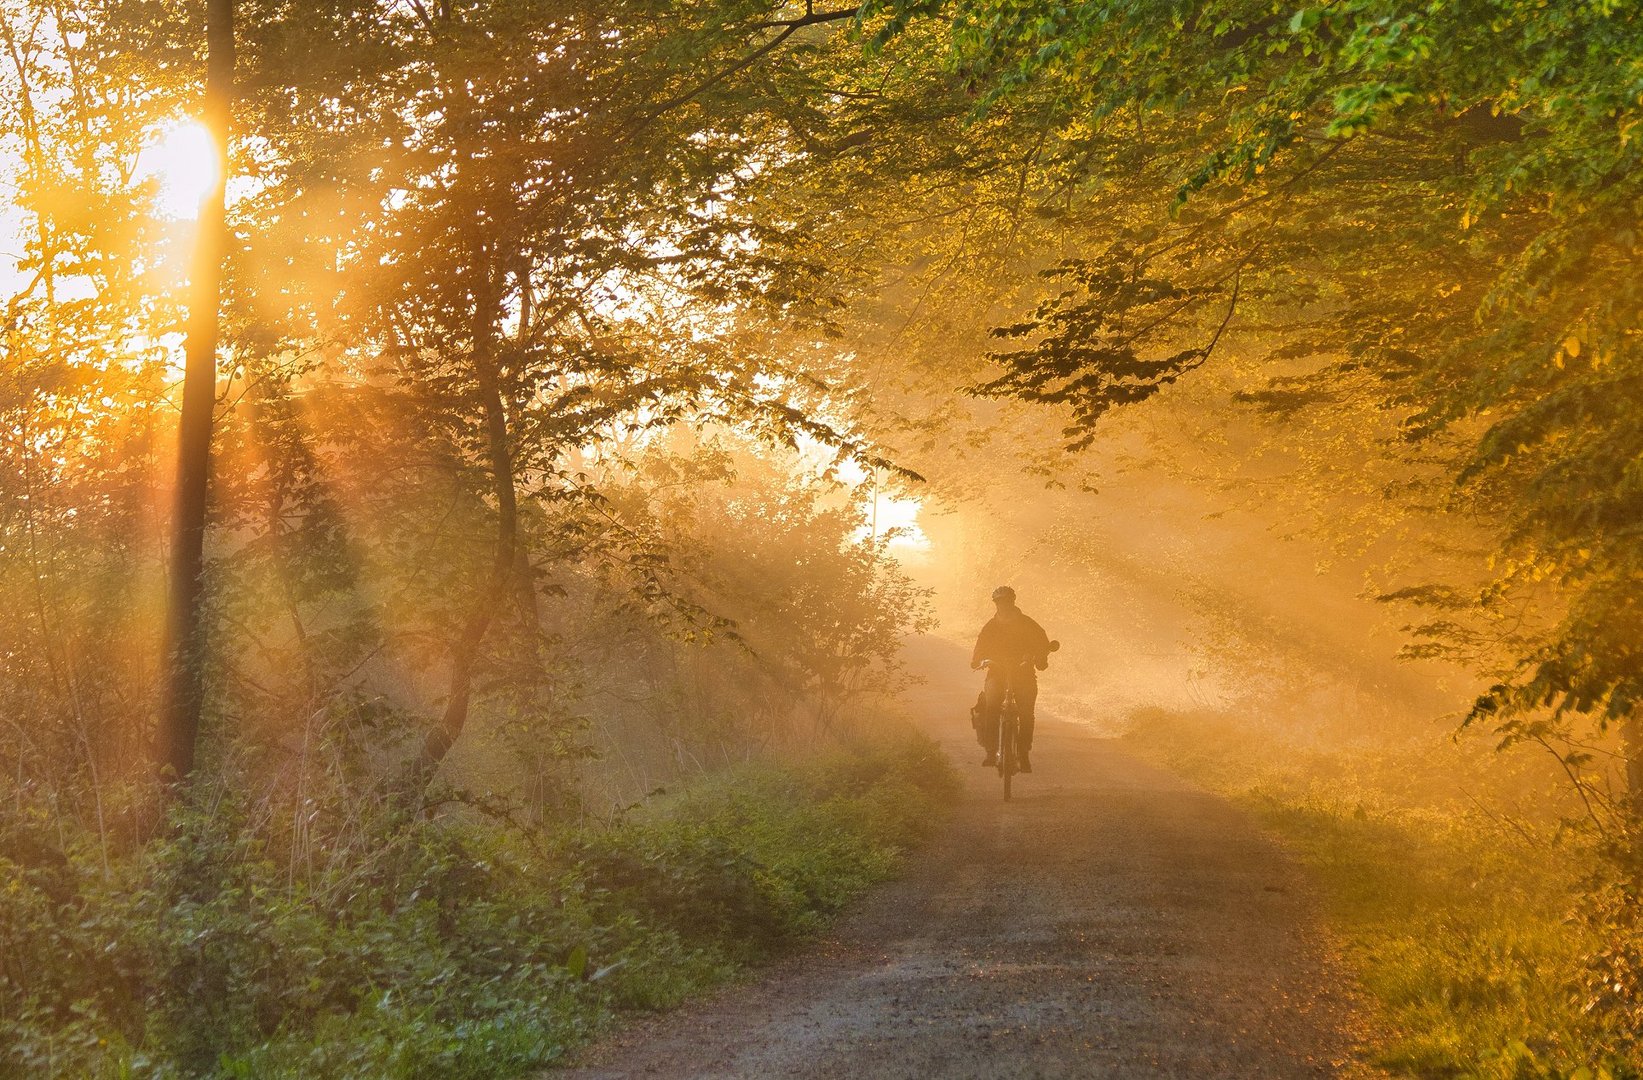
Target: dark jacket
(1010,638)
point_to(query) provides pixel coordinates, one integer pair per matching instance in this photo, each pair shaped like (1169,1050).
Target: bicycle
(1008,727)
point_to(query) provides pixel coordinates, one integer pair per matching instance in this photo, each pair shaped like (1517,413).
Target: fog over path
(1110,921)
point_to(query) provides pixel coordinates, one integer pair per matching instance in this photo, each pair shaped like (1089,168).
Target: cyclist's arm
(979,653)
(1041,649)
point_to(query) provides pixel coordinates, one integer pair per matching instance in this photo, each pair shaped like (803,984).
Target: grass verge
(1464,935)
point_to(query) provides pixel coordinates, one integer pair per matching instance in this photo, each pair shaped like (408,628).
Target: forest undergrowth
(1484,947)
(453,945)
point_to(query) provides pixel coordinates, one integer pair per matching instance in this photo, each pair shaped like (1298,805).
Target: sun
(183,159)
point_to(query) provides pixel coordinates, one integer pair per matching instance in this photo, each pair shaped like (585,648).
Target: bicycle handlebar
(1055,646)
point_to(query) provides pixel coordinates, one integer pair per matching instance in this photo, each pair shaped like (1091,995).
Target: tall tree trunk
(179,721)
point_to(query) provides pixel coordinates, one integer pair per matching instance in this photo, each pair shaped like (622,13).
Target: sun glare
(184,162)
(897,517)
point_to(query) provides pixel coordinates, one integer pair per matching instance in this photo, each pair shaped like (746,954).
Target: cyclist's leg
(992,699)
(1026,693)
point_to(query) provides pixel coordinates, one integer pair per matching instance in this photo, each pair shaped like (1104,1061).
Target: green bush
(445,946)
(756,854)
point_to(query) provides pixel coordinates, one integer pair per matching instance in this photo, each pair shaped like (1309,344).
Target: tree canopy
(1429,208)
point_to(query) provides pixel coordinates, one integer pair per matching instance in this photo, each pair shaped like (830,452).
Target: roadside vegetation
(454,945)
(1483,944)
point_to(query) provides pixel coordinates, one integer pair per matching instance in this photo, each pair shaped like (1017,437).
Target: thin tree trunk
(1631,735)
(529,609)
(179,721)
(503,573)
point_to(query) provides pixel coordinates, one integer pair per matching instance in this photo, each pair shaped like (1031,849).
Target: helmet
(1004,592)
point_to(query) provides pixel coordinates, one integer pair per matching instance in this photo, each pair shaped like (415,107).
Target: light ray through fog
(887,513)
(897,517)
(183,162)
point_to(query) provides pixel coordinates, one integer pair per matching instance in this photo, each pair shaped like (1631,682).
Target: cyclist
(1012,646)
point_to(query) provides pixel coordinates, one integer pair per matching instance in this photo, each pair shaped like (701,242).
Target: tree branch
(789,28)
(811,17)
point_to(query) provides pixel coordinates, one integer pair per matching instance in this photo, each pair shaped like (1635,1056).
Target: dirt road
(1109,922)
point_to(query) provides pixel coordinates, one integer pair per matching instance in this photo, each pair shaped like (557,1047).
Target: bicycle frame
(1008,721)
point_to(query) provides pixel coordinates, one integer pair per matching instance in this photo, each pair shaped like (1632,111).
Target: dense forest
(456,513)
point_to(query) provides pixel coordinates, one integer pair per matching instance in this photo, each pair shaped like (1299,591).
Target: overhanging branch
(789,28)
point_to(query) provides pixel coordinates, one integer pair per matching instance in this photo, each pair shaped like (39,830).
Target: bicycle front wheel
(1006,752)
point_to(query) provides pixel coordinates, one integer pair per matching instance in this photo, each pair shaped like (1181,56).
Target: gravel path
(1111,921)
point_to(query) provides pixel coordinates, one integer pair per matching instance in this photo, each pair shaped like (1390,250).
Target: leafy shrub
(421,946)
(757,855)
(1612,913)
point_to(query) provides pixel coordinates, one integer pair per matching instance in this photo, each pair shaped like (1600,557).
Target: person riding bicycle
(1012,646)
